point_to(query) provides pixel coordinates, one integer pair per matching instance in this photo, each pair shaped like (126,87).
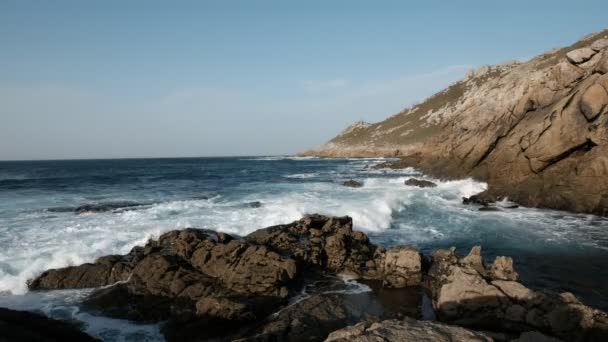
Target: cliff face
(537,131)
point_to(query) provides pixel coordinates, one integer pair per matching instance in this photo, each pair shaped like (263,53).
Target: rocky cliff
(536,131)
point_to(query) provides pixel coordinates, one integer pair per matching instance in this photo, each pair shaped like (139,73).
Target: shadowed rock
(421,183)
(352,184)
(22,326)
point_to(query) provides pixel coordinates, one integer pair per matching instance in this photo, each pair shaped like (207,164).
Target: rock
(352,184)
(106,270)
(29,326)
(314,318)
(579,56)
(502,269)
(104,207)
(324,243)
(488,208)
(475,199)
(402,267)
(407,330)
(600,44)
(466,293)
(255,204)
(593,101)
(421,183)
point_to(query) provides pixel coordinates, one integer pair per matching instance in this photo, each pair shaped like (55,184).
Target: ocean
(59,213)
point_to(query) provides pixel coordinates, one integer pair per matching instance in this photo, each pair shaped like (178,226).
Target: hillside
(535,131)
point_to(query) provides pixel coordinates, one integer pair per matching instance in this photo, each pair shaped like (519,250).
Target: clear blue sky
(89,79)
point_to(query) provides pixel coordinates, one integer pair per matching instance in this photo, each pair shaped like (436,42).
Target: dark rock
(22,326)
(475,199)
(421,183)
(193,276)
(255,204)
(489,208)
(104,207)
(352,184)
(407,330)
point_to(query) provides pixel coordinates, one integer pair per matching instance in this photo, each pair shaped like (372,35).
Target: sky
(120,79)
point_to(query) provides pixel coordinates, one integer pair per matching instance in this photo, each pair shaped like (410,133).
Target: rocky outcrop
(408,330)
(280,284)
(193,276)
(22,326)
(421,183)
(469,293)
(535,131)
(352,184)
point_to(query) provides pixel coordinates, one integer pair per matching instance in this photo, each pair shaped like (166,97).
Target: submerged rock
(28,326)
(352,184)
(421,183)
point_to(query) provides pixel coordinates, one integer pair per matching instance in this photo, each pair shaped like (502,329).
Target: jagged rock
(327,243)
(468,294)
(352,184)
(579,56)
(407,330)
(421,183)
(402,267)
(197,277)
(314,318)
(106,270)
(28,326)
(502,269)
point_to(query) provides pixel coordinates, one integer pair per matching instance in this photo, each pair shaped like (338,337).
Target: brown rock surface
(482,298)
(535,131)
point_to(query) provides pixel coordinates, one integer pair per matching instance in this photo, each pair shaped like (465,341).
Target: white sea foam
(302,175)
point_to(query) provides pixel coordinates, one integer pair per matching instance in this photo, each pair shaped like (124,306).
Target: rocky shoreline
(534,131)
(317,279)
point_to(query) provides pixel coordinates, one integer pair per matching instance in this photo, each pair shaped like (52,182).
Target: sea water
(139,199)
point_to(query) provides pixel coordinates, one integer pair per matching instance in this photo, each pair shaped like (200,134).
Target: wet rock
(352,184)
(407,330)
(489,208)
(421,183)
(314,318)
(105,207)
(580,55)
(106,270)
(475,199)
(28,326)
(255,204)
